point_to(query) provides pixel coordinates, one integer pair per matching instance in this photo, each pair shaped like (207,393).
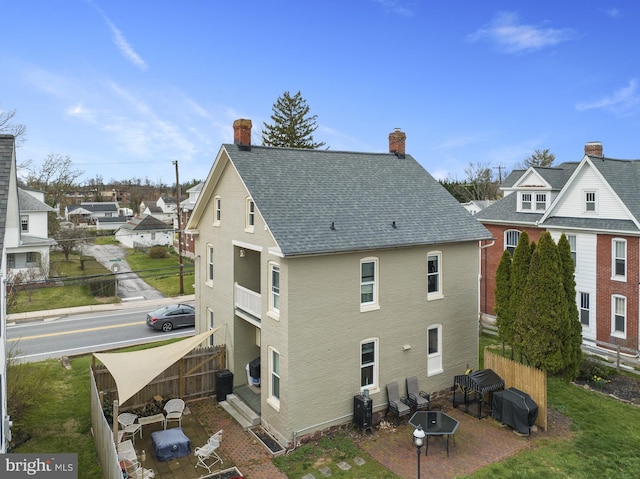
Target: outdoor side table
(434,423)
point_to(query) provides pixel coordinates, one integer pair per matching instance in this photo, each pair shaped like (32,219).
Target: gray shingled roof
(6,159)
(624,178)
(302,193)
(504,210)
(145,223)
(94,207)
(30,203)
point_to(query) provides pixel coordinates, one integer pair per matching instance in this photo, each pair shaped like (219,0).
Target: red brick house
(595,203)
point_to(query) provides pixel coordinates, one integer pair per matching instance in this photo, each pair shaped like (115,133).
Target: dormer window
(533,202)
(526,202)
(541,201)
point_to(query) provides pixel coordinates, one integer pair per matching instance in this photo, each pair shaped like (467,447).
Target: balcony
(248,301)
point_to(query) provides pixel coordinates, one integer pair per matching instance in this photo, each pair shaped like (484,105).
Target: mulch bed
(619,386)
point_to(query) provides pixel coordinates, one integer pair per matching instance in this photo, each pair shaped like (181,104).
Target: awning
(133,370)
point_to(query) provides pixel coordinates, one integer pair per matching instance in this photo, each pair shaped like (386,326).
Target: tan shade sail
(134,370)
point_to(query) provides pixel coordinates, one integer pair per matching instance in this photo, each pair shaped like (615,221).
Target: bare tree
(479,184)
(8,126)
(70,238)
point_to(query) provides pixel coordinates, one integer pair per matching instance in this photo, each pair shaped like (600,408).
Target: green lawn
(163,273)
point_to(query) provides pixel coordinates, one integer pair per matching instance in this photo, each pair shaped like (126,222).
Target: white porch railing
(248,301)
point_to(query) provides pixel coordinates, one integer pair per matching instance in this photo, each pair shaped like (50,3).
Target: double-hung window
(369,364)
(573,247)
(511,238)
(274,378)
(619,316)
(590,202)
(217,210)
(584,309)
(210,264)
(541,201)
(619,259)
(24,223)
(525,202)
(368,284)
(274,297)
(250,215)
(434,275)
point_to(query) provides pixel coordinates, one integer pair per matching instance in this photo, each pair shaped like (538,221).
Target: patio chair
(418,400)
(208,451)
(126,451)
(397,405)
(130,426)
(174,409)
(135,471)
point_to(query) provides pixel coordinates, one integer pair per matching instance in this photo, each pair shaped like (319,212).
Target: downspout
(482,278)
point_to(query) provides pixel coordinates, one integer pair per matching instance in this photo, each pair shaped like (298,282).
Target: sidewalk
(131,303)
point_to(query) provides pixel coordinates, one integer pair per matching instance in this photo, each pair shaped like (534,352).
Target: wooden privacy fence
(193,376)
(525,378)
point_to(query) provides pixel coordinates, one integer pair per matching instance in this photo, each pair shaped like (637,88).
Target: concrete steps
(242,413)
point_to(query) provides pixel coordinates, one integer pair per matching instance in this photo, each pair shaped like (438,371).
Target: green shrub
(591,367)
(158,252)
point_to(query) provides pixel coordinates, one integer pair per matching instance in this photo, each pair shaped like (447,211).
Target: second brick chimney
(397,141)
(593,148)
(242,134)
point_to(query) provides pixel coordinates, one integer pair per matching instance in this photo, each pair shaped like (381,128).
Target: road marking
(77,331)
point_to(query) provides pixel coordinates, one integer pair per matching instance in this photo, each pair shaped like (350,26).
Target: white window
(511,238)
(434,350)
(434,275)
(369,364)
(619,259)
(250,215)
(211,326)
(274,297)
(618,316)
(526,202)
(590,202)
(368,284)
(33,258)
(210,264)
(274,378)
(574,249)
(217,210)
(584,309)
(24,223)
(541,201)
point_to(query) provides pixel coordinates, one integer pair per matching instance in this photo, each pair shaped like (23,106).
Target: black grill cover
(515,408)
(482,381)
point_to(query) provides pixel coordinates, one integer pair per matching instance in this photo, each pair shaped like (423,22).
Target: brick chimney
(397,140)
(593,148)
(242,134)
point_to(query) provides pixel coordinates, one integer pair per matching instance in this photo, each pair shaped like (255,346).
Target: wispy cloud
(457,142)
(121,42)
(510,35)
(613,12)
(623,101)
(396,7)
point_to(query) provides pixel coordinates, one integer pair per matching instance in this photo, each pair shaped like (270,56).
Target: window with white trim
(619,316)
(210,322)
(619,259)
(368,284)
(274,378)
(584,308)
(434,350)
(541,202)
(434,274)
(217,210)
(525,202)
(511,238)
(250,219)
(590,202)
(210,264)
(24,223)
(369,364)
(274,288)
(574,249)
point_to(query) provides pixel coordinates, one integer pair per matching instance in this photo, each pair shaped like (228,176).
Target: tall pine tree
(504,314)
(519,275)
(292,126)
(572,350)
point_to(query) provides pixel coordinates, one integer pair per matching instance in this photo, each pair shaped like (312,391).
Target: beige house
(340,271)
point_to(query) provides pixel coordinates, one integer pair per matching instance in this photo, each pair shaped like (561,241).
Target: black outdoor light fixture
(418,440)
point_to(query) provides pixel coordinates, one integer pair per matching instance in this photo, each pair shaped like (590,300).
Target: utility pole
(181,266)
(499,168)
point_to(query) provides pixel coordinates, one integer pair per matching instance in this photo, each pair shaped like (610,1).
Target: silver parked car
(172,316)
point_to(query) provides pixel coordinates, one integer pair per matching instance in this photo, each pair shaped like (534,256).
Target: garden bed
(267,440)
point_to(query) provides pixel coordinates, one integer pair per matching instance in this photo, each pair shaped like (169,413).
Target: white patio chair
(136,471)
(174,409)
(208,451)
(126,451)
(130,426)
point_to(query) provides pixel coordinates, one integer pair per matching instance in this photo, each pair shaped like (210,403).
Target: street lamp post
(418,440)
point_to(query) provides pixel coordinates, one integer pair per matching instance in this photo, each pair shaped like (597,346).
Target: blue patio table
(434,423)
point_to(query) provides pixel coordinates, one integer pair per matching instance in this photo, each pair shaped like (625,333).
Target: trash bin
(254,371)
(224,384)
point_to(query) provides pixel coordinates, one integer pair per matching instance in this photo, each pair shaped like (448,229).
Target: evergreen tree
(292,126)
(504,315)
(573,330)
(519,275)
(544,313)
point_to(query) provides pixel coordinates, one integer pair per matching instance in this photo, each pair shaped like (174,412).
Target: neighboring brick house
(186,208)
(595,203)
(341,271)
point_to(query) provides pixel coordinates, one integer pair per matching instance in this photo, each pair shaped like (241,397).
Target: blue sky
(127,87)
